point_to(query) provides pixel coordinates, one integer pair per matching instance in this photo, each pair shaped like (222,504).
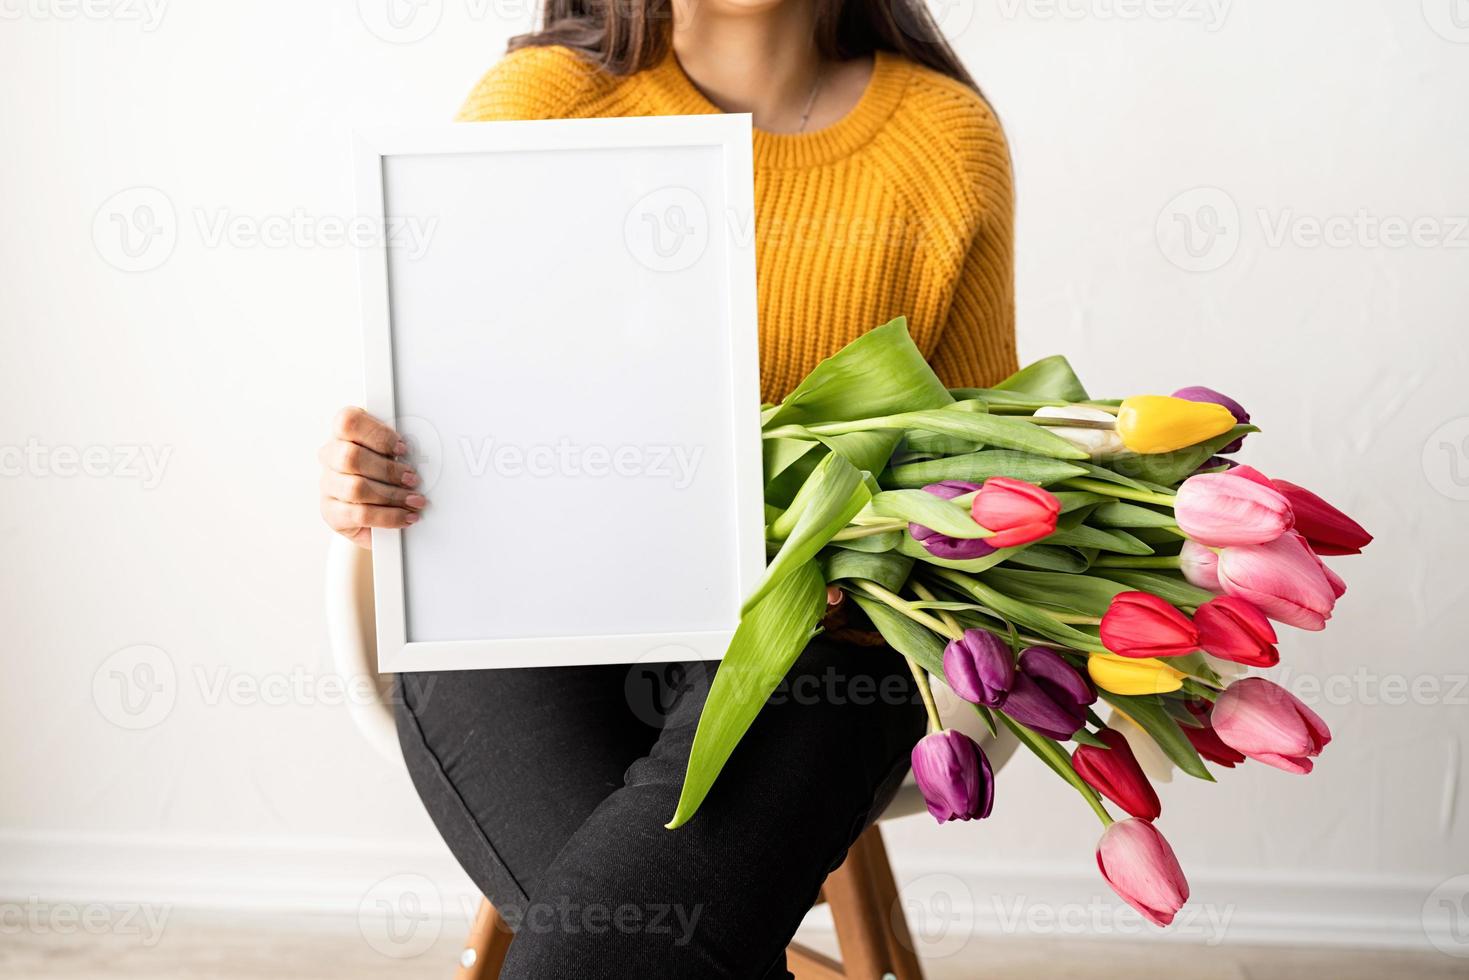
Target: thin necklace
(811,99)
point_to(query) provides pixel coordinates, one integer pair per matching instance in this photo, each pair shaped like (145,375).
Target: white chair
(861,894)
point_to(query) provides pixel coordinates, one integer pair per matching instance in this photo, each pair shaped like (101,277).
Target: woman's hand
(362,485)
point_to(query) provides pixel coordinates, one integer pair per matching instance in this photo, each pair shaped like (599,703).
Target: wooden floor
(194,946)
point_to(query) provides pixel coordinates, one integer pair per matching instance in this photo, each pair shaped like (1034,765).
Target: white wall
(223,363)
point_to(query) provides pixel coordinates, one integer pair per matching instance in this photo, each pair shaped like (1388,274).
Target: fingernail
(401,449)
(411,519)
(416,500)
(409,478)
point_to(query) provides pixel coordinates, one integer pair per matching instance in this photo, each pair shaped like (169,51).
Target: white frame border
(732,134)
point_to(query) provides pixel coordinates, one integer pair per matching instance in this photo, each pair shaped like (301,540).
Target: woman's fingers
(343,456)
(354,425)
(352,489)
(348,517)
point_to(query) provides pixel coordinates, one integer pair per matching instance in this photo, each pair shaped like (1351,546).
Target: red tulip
(1284,579)
(1327,530)
(1017,512)
(1269,724)
(1205,740)
(1141,868)
(1139,624)
(1114,772)
(1219,509)
(1232,629)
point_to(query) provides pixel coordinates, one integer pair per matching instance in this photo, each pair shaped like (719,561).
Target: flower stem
(854,531)
(935,724)
(1129,561)
(923,593)
(906,608)
(1119,491)
(1064,423)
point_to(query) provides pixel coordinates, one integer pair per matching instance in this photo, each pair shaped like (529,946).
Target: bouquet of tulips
(1041,552)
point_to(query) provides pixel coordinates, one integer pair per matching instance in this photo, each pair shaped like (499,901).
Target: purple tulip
(954,776)
(1198,393)
(1048,695)
(941,545)
(979,668)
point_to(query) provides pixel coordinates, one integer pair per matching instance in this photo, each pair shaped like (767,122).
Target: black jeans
(551,786)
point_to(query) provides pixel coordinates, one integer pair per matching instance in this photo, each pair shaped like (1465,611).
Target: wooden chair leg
(870,927)
(902,954)
(485,949)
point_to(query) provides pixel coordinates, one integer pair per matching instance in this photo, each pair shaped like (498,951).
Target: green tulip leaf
(1153,718)
(980,466)
(1170,468)
(910,639)
(922,507)
(831,497)
(1120,513)
(1087,595)
(1050,377)
(1170,588)
(888,570)
(882,372)
(770,637)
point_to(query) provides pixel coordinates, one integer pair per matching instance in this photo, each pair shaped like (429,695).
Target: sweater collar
(672,93)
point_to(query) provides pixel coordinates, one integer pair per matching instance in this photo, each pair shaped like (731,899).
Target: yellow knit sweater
(902,207)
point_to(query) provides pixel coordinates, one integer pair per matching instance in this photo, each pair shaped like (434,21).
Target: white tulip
(1093,442)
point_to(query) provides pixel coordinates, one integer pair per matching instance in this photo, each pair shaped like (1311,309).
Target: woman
(882,186)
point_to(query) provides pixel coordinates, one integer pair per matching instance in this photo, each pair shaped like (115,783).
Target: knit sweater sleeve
(533,83)
(977,346)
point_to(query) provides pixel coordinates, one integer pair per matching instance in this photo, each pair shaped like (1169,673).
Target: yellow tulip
(1160,424)
(1126,675)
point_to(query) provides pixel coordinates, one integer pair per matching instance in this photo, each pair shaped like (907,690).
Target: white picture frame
(501,307)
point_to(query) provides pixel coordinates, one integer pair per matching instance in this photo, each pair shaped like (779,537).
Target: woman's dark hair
(626,36)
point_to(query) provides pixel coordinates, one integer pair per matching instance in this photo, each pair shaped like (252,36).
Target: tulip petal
(1142,869)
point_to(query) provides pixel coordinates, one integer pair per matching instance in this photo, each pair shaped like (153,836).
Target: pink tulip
(1269,724)
(1284,578)
(1141,868)
(1219,509)
(1200,566)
